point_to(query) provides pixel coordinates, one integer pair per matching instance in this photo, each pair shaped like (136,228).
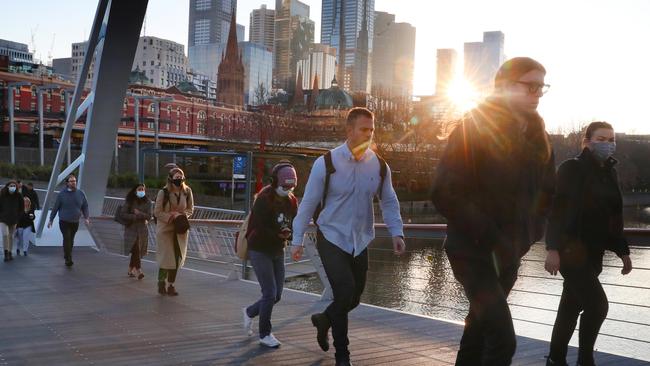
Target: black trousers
(68,230)
(489,335)
(347,276)
(581,292)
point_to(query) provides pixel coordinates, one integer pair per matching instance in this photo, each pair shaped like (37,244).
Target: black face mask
(177,182)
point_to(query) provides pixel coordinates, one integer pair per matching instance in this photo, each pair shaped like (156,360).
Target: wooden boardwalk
(92,314)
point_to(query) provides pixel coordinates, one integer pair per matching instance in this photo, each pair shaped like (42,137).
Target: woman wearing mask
(268,231)
(11,208)
(136,235)
(586,219)
(25,227)
(173,201)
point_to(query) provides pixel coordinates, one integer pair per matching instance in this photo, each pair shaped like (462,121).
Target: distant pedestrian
(174,206)
(137,212)
(29,192)
(25,228)
(494,184)
(269,229)
(70,205)
(341,188)
(11,208)
(586,220)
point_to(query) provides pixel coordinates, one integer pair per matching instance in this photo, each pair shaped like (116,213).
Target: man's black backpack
(329,170)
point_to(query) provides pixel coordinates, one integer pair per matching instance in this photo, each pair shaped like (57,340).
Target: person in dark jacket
(269,230)
(25,228)
(70,205)
(29,192)
(586,219)
(494,185)
(11,208)
(137,211)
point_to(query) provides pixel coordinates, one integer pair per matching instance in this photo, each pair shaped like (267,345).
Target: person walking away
(494,184)
(11,208)
(344,183)
(269,229)
(174,202)
(70,205)
(137,211)
(25,228)
(586,219)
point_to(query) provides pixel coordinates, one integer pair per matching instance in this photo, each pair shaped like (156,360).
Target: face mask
(177,182)
(603,150)
(12,189)
(282,193)
(140,194)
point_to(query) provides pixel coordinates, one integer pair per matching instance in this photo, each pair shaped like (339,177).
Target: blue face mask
(12,189)
(140,194)
(603,150)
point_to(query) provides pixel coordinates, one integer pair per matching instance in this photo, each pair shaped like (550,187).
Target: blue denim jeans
(270,274)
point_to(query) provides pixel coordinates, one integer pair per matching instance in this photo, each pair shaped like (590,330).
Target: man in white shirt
(346,223)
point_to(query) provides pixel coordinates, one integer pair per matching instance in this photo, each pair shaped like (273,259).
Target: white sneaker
(248,323)
(270,341)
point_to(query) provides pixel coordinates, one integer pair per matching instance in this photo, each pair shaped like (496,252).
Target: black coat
(495,182)
(26,220)
(33,197)
(587,214)
(11,207)
(269,215)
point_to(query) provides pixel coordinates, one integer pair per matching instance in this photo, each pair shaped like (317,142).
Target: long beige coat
(165,229)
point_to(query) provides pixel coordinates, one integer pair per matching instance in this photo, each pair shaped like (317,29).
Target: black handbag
(181,224)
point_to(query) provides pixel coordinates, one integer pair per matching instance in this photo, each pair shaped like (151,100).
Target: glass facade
(258,71)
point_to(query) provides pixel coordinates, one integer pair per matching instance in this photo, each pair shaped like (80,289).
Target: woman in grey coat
(136,211)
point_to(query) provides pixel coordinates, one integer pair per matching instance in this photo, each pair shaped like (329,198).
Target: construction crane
(49,52)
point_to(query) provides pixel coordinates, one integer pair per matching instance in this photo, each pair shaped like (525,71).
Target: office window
(203,4)
(202,31)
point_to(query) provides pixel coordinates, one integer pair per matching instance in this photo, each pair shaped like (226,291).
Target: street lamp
(136,105)
(10,106)
(41,143)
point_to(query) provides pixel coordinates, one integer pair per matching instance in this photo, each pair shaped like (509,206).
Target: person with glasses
(586,219)
(70,205)
(494,184)
(269,230)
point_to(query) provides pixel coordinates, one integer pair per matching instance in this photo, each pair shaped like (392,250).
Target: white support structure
(41,124)
(112,43)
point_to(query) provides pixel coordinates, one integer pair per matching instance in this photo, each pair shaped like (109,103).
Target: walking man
(70,204)
(494,185)
(340,190)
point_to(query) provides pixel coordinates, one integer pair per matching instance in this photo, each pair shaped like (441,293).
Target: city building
(203,84)
(209,24)
(17,52)
(294,33)
(393,56)
(262,27)
(63,67)
(446,64)
(348,26)
(163,61)
(78,55)
(258,72)
(230,76)
(321,61)
(482,60)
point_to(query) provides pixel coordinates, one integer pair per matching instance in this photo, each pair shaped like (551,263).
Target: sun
(462,94)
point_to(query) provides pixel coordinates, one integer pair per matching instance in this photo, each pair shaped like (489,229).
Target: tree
(261,94)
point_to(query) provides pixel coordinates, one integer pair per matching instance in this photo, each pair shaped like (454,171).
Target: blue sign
(239,167)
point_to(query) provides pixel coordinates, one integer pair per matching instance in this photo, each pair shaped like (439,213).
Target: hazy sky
(597,52)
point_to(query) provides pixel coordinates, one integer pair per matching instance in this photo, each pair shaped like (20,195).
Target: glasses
(534,88)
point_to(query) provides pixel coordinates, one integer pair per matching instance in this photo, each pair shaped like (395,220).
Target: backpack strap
(383,171)
(165,197)
(329,170)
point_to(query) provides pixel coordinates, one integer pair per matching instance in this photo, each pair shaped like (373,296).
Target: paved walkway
(92,314)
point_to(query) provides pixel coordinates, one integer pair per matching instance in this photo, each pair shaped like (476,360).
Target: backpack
(329,170)
(119,216)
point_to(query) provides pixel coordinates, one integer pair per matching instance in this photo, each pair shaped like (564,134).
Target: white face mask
(282,193)
(12,189)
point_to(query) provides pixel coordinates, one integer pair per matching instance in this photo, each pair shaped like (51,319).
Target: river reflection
(421,281)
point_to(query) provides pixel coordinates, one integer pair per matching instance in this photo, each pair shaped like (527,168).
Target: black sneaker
(343,363)
(550,362)
(17,252)
(69,263)
(322,324)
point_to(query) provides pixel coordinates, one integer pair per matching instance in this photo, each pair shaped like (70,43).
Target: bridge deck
(92,314)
